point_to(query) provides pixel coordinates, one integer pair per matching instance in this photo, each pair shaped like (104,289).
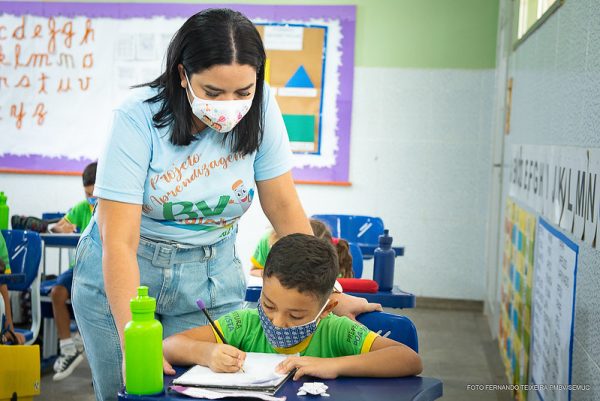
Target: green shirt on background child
(80,215)
(261,252)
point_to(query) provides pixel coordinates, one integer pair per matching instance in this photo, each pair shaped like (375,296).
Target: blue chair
(357,259)
(399,328)
(25,253)
(362,230)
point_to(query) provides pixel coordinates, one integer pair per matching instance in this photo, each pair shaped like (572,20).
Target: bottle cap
(385,239)
(142,303)
(2,198)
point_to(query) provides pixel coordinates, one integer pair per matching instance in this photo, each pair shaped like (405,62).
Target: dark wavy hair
(208,38)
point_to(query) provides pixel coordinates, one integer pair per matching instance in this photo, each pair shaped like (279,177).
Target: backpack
(29,223)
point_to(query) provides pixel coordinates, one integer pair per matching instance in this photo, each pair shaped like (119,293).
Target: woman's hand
(225,358)
(167,368)
(352,306)
(323,368)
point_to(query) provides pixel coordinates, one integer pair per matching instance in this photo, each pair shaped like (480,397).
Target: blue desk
(396,298)
(60,240)
(414,388)
(369,249)
(389,299)
(15,278)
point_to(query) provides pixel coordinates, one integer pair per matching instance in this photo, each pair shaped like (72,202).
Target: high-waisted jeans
(176,276)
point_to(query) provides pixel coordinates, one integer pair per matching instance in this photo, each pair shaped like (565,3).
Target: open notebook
(259,375)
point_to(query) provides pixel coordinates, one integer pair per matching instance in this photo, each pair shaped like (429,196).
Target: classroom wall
(420,142)
(556,90)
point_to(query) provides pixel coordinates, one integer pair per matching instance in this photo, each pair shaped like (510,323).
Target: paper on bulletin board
(573,161)
(514,335)
(554,289)
(283,37)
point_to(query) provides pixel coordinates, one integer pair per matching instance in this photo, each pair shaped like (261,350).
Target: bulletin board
(296,57)
(514,335)
(70,64)
(553,311)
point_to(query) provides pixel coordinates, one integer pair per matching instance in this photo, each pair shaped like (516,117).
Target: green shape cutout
(300,127)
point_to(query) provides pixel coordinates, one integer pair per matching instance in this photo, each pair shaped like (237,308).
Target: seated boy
(7,330)
(71,353)
(293,316)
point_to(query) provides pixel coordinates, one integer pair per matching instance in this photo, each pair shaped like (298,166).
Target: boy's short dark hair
(304,263)
(89,174)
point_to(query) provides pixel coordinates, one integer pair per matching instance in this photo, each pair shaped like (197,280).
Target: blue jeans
(175,276)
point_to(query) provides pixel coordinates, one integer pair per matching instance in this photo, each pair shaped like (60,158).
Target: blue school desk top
(368,250)
(414,388)
(396,298)
(13,278)
(60,240)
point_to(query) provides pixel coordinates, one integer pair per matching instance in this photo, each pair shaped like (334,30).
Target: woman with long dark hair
(184,156)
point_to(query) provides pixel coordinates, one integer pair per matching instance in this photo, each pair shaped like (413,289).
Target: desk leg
(44,258)
(49,345)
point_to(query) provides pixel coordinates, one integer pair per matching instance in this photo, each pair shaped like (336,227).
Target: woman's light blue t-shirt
(192,194)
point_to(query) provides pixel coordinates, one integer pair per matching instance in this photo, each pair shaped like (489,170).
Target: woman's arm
(387,358)
(119,225)
(279,200)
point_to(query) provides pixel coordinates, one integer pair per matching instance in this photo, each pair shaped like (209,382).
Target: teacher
(185,155)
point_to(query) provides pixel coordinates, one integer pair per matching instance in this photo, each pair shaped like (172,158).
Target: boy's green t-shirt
(261,252)
(335,336)
(80,215)
(4,255)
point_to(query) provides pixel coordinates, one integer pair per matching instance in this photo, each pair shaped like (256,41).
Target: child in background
(320,230)
(293,316)
(8,330)
(71,352)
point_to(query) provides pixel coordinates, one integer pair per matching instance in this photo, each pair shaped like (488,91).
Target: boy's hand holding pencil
(224,357)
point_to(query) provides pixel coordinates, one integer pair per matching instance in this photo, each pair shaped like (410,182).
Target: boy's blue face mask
(285,337)
(92,200)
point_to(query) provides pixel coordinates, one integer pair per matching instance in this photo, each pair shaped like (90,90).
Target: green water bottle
(143,347)
(3,212)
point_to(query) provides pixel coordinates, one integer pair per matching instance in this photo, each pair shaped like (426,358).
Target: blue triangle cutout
(300,79)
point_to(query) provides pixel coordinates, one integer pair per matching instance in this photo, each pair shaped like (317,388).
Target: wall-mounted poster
(554,287)
(69,64)
(514,334)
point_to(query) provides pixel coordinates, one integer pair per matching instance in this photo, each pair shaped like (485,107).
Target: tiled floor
(455,346)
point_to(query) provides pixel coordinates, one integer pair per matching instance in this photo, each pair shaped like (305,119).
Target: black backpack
(29,223)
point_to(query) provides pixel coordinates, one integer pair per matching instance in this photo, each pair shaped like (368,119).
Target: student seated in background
(71,352)
(7,331)
(293,316)
(320,230)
